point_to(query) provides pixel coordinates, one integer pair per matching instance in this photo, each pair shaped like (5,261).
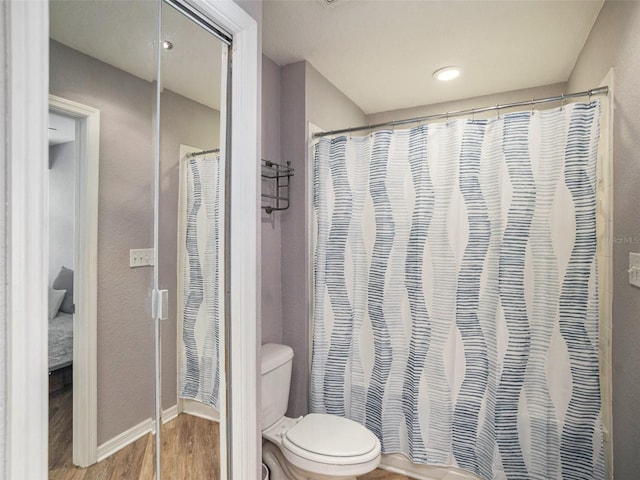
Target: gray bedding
(60,341)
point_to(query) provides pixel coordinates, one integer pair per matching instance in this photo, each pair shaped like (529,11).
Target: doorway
(63,158)
(80,368)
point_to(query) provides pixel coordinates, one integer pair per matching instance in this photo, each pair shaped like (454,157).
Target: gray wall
(125,328)
(271,224)
(615,42)
(294,274)
(306,96)
(327,107)
(4,128)
(61,207)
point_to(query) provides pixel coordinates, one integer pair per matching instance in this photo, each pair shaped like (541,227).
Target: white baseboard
(398,463)
(127,437)
(197,409)
(170,414)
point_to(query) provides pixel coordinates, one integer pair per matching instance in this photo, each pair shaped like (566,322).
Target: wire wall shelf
(275,185)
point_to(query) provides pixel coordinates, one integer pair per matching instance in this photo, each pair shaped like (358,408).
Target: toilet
(316,446)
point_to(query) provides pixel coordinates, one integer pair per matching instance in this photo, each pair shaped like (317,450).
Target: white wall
(61,207)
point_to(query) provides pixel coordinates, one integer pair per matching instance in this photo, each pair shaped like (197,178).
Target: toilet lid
(331,435)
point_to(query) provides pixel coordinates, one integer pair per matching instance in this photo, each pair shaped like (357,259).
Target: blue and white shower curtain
(200,364)
(456,295)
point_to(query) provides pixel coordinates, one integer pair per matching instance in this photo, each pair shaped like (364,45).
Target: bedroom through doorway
(73,181)
(63,158)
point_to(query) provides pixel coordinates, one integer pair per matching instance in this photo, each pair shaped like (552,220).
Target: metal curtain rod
(203,152)
(457,113)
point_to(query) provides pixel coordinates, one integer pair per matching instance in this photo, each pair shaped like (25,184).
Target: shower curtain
(455,292)
(200,364)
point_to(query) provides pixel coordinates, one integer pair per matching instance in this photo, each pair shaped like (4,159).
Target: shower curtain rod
(472,111)
(203,152)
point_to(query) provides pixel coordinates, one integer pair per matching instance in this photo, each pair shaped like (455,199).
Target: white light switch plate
(140,257)
(634,269)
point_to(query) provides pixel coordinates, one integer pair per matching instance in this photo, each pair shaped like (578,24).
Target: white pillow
(55,300)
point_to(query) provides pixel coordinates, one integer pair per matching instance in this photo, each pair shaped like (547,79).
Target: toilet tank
(276,379)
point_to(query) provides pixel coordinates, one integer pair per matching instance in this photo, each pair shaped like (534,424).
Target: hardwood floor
(190,450)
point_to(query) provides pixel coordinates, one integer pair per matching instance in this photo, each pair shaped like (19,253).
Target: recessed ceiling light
(447,73)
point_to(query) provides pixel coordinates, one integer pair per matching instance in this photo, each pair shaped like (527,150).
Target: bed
(61,320)
(60,341)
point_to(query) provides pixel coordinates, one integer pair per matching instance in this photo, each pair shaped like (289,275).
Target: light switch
(140,257)
(634,269)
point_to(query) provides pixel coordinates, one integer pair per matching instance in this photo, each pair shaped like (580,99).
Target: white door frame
(85,369)
(24,91)
(25,122)
(243,437)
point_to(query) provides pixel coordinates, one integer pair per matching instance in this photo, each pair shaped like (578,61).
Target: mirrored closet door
(191,241)
(101,74)
(133,215)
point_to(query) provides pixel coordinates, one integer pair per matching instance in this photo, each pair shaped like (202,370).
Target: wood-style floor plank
(148,463)
(190,450)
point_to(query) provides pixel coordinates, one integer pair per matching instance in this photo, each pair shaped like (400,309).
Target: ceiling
(61,129)
(123,34)
(382,53)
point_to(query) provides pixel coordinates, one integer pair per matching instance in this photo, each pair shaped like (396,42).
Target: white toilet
(316,446)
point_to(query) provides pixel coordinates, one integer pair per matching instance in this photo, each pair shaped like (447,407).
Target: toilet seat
(331,445)
(330,436)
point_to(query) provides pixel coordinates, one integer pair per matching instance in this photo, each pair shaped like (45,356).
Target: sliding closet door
(190,242)
(102,71)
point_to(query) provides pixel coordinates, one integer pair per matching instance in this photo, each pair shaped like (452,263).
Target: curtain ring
(473,115)
(498,107)
(590,92)
(533,105)
(447,119)
(562,104)
(370,131)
